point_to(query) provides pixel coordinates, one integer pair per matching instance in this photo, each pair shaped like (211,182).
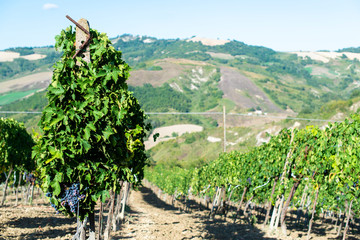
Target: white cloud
(48,6)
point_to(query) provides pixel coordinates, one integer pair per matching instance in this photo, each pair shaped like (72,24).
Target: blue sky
(283,25)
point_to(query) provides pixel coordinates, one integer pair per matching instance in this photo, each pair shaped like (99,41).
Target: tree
(93,128)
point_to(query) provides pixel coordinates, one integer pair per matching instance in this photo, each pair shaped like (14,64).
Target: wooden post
(6,185)
(224,116)
(107,233)
(313,213)
(81,37)
(124,200)
(347,220)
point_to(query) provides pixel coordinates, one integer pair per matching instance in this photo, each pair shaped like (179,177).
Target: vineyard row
(309,169)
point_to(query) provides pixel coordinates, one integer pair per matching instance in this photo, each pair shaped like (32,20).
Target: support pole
(224,119)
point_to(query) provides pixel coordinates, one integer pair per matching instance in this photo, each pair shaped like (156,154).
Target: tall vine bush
(93,127)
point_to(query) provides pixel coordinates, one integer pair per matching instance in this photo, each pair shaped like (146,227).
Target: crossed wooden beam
(87,41)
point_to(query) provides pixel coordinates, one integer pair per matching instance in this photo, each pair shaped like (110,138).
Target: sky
(283,25)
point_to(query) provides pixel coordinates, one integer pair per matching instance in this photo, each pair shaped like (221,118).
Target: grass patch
(14,96)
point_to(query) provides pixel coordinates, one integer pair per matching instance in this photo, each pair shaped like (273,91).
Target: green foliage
(190,138)
(287,67)
(162,99)
(155,68)
(93,127)
(22,50)
(321,159)
(350,49)
(136,50)
(10,69)
(239,48)
(35,102)
(336,106)
(15,146)
(173,181)
(355,93)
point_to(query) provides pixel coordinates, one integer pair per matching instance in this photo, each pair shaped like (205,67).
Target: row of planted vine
(16,166)
(319,167)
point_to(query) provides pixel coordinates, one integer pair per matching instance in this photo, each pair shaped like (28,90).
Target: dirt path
(147,217)
(151,218)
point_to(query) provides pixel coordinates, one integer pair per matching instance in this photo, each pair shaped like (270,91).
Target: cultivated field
(33,81)
(166,133)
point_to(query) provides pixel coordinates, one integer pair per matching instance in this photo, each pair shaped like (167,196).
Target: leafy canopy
(15,146)
(93,127)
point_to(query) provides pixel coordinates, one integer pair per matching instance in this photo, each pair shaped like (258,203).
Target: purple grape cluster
(70,197)
(30,178)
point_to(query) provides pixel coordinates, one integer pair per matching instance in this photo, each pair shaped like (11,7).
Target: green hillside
(174,75)
(289,81)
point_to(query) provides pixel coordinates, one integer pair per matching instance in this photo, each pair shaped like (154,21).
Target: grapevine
(322,164)
(93,128)
(15,149)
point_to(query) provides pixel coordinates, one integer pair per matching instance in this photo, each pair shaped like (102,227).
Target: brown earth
(243,92)
(169,70)
(32,81)
(37,221)
(148,217)
(152,218)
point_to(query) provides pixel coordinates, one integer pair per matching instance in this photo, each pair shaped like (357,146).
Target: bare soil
(152,218)
(327,56)
(165,133)
(157,78)
(243,92)
(148,217)
(37,221)
(208,41)
(32,81)
(8,56)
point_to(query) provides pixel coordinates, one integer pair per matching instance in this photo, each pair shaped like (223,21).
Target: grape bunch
(30,178)
(70,197)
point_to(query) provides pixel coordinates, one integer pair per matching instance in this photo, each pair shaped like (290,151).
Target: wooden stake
(347,220)
(81,37)
(269,203)
(224,116)
(107,233)
(5,187)
(313,213)
(100,221)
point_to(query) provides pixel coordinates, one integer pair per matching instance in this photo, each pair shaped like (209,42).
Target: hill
(202,75)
